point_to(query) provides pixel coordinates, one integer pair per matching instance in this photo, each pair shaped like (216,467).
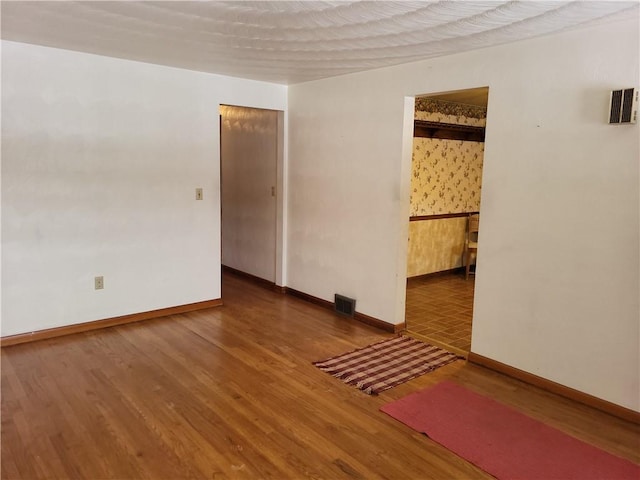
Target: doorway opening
(446,181)
(251,191)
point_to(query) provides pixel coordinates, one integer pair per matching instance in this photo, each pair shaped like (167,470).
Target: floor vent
(345,305)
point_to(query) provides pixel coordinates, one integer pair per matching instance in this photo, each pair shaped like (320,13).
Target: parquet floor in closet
(439,308)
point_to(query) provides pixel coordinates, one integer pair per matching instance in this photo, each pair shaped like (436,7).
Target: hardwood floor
(230,392)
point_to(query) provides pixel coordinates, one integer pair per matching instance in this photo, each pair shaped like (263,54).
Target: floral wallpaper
(433,110)
(446,176)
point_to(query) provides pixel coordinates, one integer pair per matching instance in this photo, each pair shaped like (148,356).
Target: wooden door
(248,150)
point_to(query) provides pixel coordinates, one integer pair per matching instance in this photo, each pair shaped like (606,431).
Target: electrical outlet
(198,193)
(99,283)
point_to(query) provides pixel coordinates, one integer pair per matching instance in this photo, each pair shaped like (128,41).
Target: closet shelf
(448,131)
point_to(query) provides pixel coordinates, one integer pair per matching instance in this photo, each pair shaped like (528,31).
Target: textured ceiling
(293,41)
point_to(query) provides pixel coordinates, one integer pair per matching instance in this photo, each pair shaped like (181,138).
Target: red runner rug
(502,441)
(386,364)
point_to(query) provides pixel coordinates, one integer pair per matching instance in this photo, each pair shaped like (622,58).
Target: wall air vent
(345,305)
(623,106)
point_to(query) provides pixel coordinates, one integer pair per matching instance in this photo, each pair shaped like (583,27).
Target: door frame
(405,189)
(281,189)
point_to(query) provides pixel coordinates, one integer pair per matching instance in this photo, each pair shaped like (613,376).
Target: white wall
(100,160)
(558,271)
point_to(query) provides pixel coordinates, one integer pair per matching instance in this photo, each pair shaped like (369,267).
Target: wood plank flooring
(230,392)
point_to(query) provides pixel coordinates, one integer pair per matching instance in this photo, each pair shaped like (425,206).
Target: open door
(248,159)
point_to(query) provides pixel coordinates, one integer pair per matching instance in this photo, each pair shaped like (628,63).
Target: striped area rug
(386,364)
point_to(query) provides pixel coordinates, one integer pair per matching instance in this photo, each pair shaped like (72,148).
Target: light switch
(198,193)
